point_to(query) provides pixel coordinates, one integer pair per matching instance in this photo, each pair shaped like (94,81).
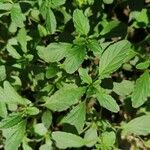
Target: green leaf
(22,39)
(2,73)
(51,23)
(47,118)
(5,6)
(123,88)
(141,90)
(57,3)
(74,59)
(14,136)
(85,76)
(54,52)
(32,111)
(138,126)
(25,144)
(3,110)
(40,129)
(113,58)
(51,71)
(109,26)
(11,121)
(107,101)
(67,140)
(108,1)
(42,31)
(16,16)
(94,46)
(12,51)
(64,98)
(81,22)
(108,140)
(76,117)
(143,65)
(13,97)
(91,136)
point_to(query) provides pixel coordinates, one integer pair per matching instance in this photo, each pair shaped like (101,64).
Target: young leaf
(40,129)
(141,90)
(107,101)
(47,118)
(123,88)
(51,23)
(143,65)
(138,126)
(54,52)
(2,73)
(12,51)
(67,140)
(108,140)
(84,76)
(81,22)
(64,98)
(5,6)
(16,16)
(95,47)
(14,136)
(57,3)
(91,136)
(32,111)
(113,58)
(22,39)
(13,97)
(76,117)
(108,1)
(74,59)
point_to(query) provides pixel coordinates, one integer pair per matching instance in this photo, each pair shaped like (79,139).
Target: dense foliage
(74,74)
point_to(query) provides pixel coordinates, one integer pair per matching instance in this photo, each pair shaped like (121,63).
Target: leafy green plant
(74,74)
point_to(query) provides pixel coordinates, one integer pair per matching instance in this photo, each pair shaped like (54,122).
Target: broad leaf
(13,97)
(14,136)
(3,110)
(16,16)
(64,98)
(22,39)
(85,77)
(54,52)
(107,101)
(107,140)
(11,121)
(74,59)
(40,129)
(12,51)
(5,6)
(91,136)
(94,46)
(81,22)
(47,118)
(113,58)
(9,95)
(67,140)
(76,117)
(143,65)
(2,72)
(51,23)
(108,1)
(123,88)
(138,126)
(57,3)
(141,90)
